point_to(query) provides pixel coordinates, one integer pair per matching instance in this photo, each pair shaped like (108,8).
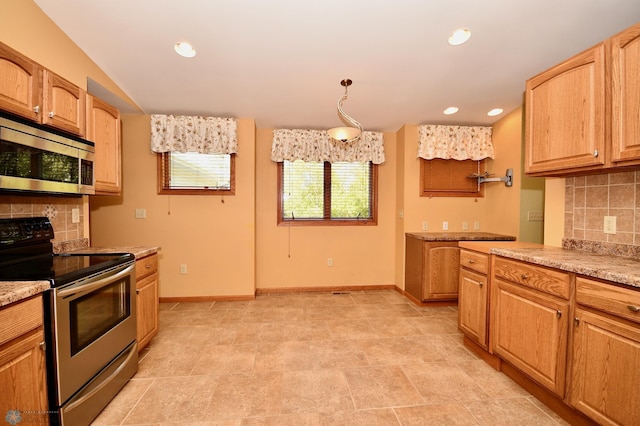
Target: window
(448,178)
(192,173)
(314,193)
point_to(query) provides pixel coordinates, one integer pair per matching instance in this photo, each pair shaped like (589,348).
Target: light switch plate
(141,213)
(75,215)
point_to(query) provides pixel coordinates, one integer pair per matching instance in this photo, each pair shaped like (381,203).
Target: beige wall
(297,256)
(214,236)
(25,28)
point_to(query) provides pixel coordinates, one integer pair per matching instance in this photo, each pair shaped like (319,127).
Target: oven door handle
(87,288)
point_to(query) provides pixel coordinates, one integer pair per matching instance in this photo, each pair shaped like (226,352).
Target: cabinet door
(565,115)
(103,128)
(442,271)
(606,369)
(530,331)
(625,94)
(472,306)
(20,84)
(23,380)
(63,104)
(147,309)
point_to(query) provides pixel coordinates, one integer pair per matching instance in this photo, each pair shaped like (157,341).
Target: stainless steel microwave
(37,159)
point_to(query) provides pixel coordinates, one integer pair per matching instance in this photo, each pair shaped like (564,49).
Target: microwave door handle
(86,288)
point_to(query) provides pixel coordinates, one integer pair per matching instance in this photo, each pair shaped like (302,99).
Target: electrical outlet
(183,269)
(609,224)
(425,226)
(141,213)
(401,214)
(75,215)
(465,226)
(330,261)
(535,216)
(445,226)
(476,226)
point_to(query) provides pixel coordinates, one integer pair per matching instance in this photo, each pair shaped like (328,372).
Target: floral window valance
(455,142)
(317,145)
(204,135)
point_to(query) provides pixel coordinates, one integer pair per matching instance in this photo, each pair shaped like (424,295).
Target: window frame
(327,221)
(163,159)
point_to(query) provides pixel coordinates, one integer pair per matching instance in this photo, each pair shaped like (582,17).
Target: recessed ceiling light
(459,36)
(450,110)
(185,49)
(494,112)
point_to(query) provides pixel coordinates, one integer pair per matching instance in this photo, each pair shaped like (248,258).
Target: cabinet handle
(43,346)
(524,276)
(558,314)
(633,308)
(576,321)
(596,153)
(36,109)
(52,114)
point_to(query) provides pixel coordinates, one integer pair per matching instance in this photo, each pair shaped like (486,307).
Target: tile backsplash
(588,199)
(57,209)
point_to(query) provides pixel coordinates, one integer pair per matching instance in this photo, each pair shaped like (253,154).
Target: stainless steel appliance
(39,159)
(90,317)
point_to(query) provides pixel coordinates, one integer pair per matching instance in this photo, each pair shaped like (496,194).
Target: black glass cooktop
(59,269)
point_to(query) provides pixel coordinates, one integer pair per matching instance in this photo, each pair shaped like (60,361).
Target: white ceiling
(281,61)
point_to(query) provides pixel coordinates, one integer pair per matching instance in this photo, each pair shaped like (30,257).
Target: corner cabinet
(103,129)
(431,269)
(606,353)
(22,361)
(583,115)
(147,299)
(529,320)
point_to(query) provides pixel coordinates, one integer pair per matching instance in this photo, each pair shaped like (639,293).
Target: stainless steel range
(90,317)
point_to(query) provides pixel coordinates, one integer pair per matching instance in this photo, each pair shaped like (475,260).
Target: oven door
(94,321)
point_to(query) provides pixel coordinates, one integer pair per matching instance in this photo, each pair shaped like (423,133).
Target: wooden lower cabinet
(606,353)
(23,378)
(473,297)
(530,331)
(432,269)
(147,299)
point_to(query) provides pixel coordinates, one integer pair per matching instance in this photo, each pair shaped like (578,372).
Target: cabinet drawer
(479,262)
(20,318)
(540,278)
(621,302)
(146,265)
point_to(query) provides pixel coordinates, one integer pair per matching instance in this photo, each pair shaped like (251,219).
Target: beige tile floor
(363,358)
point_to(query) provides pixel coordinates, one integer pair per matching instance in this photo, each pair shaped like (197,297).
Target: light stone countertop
(620,270)
(138,251)
(460,236)
(14,291)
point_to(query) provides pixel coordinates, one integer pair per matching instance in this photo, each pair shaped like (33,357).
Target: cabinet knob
(633,308)
(52,114)
(148,266)
(137,291)
(480,285)
(524,276)
(558,314)
(576,321)
(472,261)
(36,109)
(596,153)
(43,346)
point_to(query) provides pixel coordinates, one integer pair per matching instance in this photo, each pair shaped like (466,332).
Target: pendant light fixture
(349,133)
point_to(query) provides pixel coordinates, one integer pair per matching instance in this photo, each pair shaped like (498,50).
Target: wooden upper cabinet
(625,96)
(566,114)
(20,84)
(63,104)
(103,129)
